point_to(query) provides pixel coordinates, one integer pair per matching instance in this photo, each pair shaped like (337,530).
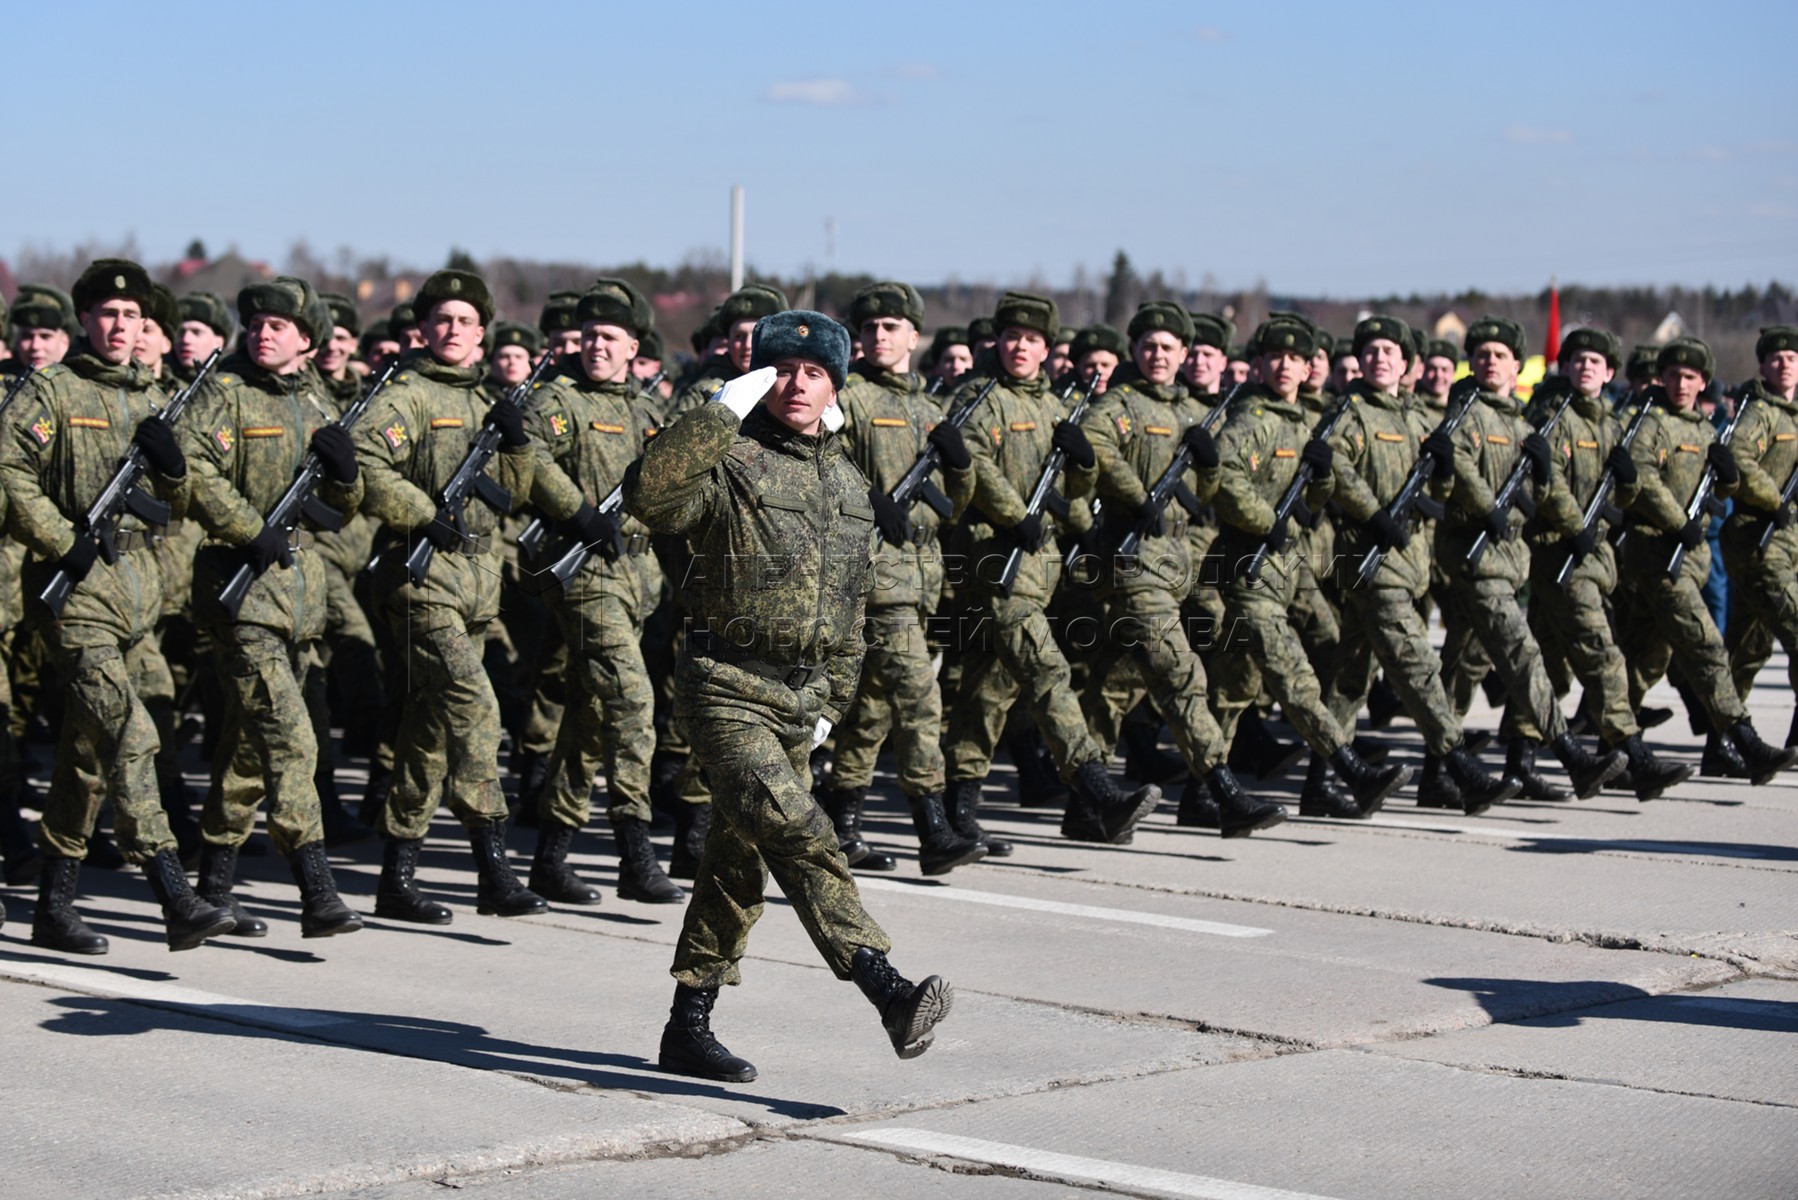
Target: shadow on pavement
(1747,850)
(1570,1004)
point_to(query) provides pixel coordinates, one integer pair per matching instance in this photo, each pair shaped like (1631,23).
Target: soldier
(41,320)
(1208,355)
(410,445)
(590,422)
(156,341)
(1481,597)
(1136,431)
(1097,350)
(1342,366)
(1668,617)
(250,430)
(949,357)
(339,347)
(1376,446)
(651,364)
(1441,359)
(65,434)
(770,667)
(1061,352)
(515,350)
(1005,642)
(378,345)
(560,326)
(736,319)
(1237,368)
(888,423)
(205,327)
(403,327)
(983,335)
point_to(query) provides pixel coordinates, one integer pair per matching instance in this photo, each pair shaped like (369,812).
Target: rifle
(1411,497)
(301,500)
(1600,505)
(18,385)
(122,495)
(936,385)
(646,386)
(1511,491)
(530,538)
(1294,495)
(915,485)
(471,477)
(1786,495)
(1171,484)
(1704,498)
(576,556)
(1045,486)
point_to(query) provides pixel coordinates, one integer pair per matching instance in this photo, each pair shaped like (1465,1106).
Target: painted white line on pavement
(1068,1168)
(118,987)
(1090,911)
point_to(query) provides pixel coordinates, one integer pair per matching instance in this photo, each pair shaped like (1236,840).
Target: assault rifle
(1411,497)
(301,500)
(1704,499)
(1600,505)
(471,478)
(122,494)
(915,485)
(1293,498)
(1170,485)
(1044,494)
(1511,491)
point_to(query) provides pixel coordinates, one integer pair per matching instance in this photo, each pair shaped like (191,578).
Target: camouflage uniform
(1763,587)
(780,524)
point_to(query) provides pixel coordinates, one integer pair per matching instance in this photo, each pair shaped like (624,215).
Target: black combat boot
(1256,751)
(1099,812)
(1239,813)
(1475,741)
(374,796)
(341,826)
(1650,718)
(551,876)
(1369,785)
(1436,788)
(1721,759)
(1763,761)
(1144,759)
(1323,797)
(218,873)
(844,808)
(188,919)
(533,774)
(1372,750)
(56,925)
(691,824)
(1792,733)
(640,876)
(397,896)
(909,1011)
(688,1047)
(1383,704)
(962,805)
(665,767)
(322,912)
(940,848)
(1198,809)
(1039,786)
(1520,769)
(24,862)
(497,891)
(1478,790)
(1589,772)
(1648,775)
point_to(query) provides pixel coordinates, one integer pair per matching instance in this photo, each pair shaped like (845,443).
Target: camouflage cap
(1598,341)
(210,310)
(1098,337)
(801,333)
(1209,329)
(284,296)
(947,336)
(887,299)
(643,314)
(465,286)
(1687,352)
(1373,329)
(650,346)
(373,334)
(1238,352)
(982,329)
(1641,361)
(607,306)
(751,302)
(40,306)
(106,278)
(344,314)
(516,333)
(701,339)
(1281,335)
(1161,316)
(1065,336)
(1418,342)
(1502,330)
(404,316)
(1442,348)
(165,310)
(1021,310)
(1773,339)
(558,315)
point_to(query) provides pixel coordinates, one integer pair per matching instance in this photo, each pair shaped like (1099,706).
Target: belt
(703,644)
(127,540)
(636,544)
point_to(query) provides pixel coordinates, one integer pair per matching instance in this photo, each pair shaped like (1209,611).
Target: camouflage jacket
(64,436)
(245,436)
(779,523)
(1765,446)
(886,418)
(707,378)
(1258,453)
(1377,445)
(1670,456)
(1585,436)
(1136,429)
(1486,448)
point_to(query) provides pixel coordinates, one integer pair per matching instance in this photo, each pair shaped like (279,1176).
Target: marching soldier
(949,357)
(560,327)
(156,342)
(205,327)
(1097,350)
(515,350)
(338,348)
(41,320)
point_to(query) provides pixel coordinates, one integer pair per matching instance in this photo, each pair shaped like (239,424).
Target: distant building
(224,276)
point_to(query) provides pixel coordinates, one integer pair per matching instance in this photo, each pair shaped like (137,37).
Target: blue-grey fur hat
(801,333)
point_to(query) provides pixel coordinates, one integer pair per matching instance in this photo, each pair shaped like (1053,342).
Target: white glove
(745,391)
(833,417)
(820,731)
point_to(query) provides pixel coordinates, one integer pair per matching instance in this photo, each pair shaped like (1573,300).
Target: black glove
(1723,465)
(1204,449)
(1498,524)
(890,518)
(80,558)
(1387,531)
(1149,518)
(1537,450)
(1441,447)
(1320,454)
(157,440)
(1585,543)
(949,444)
(268,547)
(1695,531)
(509,420)
(1462,389)
(590,527)
(1072,442)
(1782,516)
(336,453)
(1029,532)
(442,531)
(1623,467)
(1278,536)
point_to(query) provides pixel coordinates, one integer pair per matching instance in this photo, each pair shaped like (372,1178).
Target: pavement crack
(1591,1080)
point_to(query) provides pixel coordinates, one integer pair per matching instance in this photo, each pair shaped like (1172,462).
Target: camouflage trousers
(1261,646)
(1669,623)
(1148,653)
(1010,649)
(753,739)
(608,722)
(1763,609)
(1572,625)
(1383,626)
(274,695)
(1486,611)
(1465,663)
(107,746)
(898,697)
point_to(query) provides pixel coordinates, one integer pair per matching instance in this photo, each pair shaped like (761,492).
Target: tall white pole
(736,236)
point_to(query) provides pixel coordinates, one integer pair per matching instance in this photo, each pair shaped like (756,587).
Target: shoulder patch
(43,429)
(1123,424)
(558,425)
(395,435)
(225,438)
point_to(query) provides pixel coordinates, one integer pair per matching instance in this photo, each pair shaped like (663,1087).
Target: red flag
(1551,348)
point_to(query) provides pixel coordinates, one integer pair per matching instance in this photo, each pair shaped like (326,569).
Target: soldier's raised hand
(745,391)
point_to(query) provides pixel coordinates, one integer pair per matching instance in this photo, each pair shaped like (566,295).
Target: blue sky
(1322,148)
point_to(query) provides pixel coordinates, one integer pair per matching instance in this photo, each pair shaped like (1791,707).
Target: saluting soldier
(735,320)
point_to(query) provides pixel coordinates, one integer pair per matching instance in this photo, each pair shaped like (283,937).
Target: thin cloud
(1529,135)
(1210,33)
(819,93)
